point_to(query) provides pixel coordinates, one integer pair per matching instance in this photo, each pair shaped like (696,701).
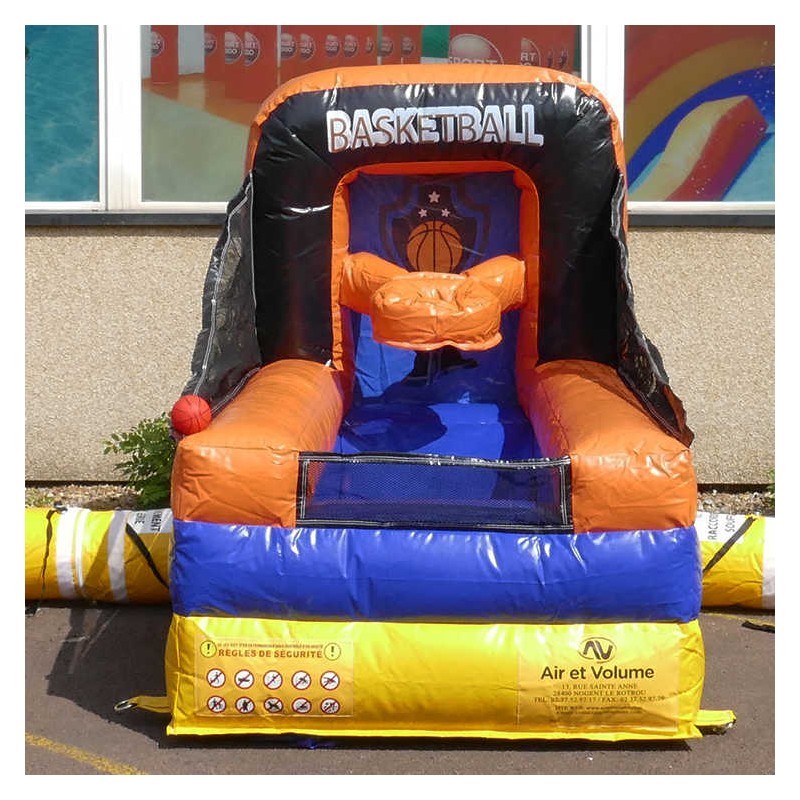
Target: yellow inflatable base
(503,681)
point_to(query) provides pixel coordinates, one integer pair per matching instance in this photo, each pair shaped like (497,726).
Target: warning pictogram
(244,705)
(273,679)
(208,649)
(216,704)
(244,679)
(215,678)
(329,680)
(301,679)
(330,706)
(332,651)
(273,705)
(301,705)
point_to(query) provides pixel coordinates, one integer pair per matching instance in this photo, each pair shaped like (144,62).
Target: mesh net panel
(437,492)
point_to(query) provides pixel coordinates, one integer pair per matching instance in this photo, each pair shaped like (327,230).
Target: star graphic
(433,197)
(445,212)
(423,212)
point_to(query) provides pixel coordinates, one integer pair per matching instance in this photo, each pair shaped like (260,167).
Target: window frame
(120,147)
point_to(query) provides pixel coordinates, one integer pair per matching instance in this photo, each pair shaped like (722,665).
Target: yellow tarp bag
(510,681)
(738,557)
(110,556)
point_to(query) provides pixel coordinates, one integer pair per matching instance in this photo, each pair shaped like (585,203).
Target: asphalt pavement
(82,659)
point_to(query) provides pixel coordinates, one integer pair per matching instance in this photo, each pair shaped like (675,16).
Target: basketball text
(412,125)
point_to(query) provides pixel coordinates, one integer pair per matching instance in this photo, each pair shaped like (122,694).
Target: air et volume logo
(597,648)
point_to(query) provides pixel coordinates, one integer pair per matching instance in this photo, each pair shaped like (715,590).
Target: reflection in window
(194,121)
(61,113)
(700,112)
(202,85)
(552,46)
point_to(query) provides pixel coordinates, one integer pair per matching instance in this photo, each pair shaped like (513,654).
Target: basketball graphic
(434,246)
(433,226)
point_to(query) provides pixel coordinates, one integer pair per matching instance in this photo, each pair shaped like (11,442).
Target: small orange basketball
(434,246)
(191,414)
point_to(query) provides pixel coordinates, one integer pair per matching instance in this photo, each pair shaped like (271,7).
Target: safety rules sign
(266,678)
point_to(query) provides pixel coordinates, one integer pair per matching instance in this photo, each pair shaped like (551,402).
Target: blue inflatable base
(426,575)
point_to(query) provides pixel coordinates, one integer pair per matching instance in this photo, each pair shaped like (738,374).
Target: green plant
(149,451)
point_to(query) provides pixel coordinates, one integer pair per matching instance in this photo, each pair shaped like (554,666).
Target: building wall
(111,315)
(706,298)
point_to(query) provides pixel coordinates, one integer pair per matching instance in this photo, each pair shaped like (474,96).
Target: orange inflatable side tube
(243,467)
(627,474)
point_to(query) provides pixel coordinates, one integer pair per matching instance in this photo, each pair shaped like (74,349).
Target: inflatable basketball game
(446,489)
